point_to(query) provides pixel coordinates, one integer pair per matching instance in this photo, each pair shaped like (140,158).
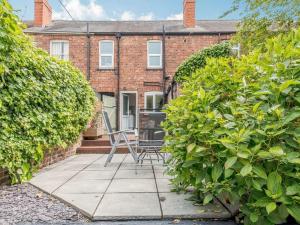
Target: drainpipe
(88,52)
(118,36)
(164,65)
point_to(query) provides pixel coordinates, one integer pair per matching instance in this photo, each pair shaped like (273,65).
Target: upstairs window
(153,100)
(106,49)
(154,54)
(60,49)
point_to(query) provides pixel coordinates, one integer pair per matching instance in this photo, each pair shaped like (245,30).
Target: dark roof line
(136,27)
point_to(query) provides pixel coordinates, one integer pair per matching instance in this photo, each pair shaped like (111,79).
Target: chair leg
(112,152)
(132,152)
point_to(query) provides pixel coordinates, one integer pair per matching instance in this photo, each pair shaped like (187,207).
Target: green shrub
(235,131)
(44,102)
(198,60)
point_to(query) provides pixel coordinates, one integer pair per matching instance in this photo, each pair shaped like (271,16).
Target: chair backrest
(149,126)
(108,127)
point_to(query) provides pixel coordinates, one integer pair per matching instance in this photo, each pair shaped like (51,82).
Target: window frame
(149,55)
(60,41)
(112,55)
(153,94)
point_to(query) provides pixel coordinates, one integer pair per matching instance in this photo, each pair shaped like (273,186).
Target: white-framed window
(59,49)
(236,49)
(153,100)
(154,54)
(106,53)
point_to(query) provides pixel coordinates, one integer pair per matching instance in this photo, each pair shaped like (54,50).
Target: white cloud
(94,11)
(129,16)
(149,16)
(178,16)
(80,11)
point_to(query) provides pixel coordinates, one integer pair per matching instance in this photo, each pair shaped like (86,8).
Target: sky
(125,9)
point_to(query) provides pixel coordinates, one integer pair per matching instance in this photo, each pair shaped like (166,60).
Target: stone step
(99,150)
(98,142)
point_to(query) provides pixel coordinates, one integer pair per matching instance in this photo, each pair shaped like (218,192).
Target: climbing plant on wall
(45,103)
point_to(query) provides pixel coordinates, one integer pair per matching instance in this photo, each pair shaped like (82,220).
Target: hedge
(235,132)
(45,103)
(198,60)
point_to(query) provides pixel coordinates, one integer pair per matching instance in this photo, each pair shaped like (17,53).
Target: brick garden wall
(51,157)
(4,178)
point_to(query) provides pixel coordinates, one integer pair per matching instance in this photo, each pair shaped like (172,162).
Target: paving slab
(120,191)
(100,166)
(94,175)
(134,174)
(132,186)
(133,166)
(178,205)
(161,173)
(86,203)
(71,167)
(164,185)
(49,181)
(125,206)
(83,187)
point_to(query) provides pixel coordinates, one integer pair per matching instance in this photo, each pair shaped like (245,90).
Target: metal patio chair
(150,134)
(119,139)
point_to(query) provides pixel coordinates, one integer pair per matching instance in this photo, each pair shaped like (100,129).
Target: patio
(117,192)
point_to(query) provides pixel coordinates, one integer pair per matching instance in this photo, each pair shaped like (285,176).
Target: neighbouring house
(129,64)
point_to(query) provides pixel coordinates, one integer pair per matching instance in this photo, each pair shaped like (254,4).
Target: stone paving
(120,191)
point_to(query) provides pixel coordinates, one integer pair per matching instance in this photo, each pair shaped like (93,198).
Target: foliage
(44,102)
(264,19)
(235,131)
(198,60)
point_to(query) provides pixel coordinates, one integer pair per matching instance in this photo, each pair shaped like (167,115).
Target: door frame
(121,106)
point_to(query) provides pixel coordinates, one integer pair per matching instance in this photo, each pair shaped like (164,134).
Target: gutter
(164,65)
(88,52)
(118,36)
(135,33)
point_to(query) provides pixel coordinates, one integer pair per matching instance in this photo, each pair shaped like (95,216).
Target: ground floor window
(153,100)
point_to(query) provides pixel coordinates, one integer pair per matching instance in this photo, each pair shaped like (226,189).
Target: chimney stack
(42,13)
(189,17)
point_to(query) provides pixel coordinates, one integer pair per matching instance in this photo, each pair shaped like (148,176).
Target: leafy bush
(198,60)
(44,102)
(235,131)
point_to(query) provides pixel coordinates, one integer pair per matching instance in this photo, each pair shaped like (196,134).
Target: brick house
(129,64)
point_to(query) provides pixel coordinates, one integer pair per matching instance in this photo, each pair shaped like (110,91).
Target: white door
(125,112)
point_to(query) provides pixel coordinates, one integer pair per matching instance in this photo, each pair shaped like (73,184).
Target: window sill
(106,69)
(153,68)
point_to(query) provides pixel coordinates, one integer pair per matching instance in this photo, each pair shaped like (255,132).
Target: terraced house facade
(129,64)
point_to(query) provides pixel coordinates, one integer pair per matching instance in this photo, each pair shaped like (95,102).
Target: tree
(262,19)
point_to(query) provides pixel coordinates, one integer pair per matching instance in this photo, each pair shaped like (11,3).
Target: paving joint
(111,180)
(76,174)
(157,191)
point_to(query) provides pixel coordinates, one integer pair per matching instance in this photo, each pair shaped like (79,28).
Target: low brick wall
(51,157)
(4,178)
(59,154)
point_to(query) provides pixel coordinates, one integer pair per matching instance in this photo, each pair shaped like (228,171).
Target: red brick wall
(42,13)
(60,154)
(189,13)
(133,59)
(4,178)
(50,157)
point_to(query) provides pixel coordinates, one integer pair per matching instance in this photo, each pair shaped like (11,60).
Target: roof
(135,27)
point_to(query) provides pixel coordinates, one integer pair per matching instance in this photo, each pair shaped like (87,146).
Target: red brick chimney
(189,17)
(42,13)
